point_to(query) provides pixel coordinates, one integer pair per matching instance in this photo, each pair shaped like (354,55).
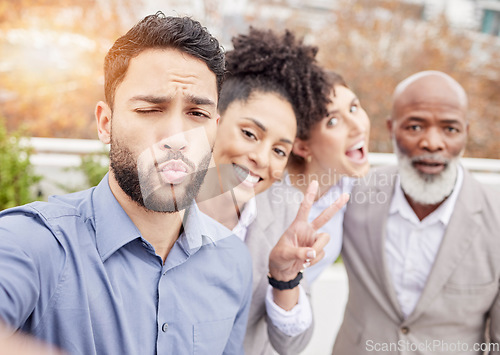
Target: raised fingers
(321,241)
(330,211)
(306,204)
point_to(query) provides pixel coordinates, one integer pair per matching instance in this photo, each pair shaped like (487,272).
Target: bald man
(422,240)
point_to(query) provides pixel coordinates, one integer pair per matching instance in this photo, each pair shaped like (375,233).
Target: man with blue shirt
(131,266)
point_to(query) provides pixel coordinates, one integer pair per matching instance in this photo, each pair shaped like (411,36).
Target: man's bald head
(429,86)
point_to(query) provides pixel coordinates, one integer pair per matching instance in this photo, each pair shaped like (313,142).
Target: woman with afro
(273,83)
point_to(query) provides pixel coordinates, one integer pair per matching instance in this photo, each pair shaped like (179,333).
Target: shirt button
(164,327)
(405,330)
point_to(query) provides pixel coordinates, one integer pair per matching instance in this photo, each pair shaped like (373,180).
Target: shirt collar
(247,216)
(113,226)
(249,213)
(442,214)
(200,229)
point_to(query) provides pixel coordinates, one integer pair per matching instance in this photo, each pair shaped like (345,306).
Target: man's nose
(174,137)
(432,140)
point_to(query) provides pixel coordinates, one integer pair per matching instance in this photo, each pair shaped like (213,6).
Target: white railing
(56,159)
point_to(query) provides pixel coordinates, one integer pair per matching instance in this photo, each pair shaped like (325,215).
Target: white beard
(427,189)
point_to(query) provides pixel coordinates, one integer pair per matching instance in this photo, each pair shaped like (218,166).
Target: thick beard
(426,189)
(163,198)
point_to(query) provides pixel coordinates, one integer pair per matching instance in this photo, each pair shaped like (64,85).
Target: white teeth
(252,179)
(245,175)
(360,145)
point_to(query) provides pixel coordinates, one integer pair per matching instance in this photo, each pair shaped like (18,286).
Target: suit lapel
(377,214)
(461,230)
(258,240)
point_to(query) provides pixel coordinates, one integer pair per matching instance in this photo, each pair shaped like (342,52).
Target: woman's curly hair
(263,61)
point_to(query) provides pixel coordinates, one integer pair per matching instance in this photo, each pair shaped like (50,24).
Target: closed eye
(147,111)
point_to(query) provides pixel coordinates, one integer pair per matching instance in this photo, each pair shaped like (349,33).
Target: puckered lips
(429,166)
(245,176)
(357,153)
(173,171)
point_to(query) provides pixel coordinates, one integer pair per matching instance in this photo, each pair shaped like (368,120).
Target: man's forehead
(160,72)
(432,90)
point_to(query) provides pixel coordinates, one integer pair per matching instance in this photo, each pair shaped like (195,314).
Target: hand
(23,344)
(301,246)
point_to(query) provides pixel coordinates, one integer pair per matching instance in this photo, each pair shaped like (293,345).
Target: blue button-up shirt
(76,272)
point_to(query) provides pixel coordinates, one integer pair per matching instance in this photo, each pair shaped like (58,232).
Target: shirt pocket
(211,337)
(490,288)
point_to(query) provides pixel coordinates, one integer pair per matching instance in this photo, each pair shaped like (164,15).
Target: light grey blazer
(274,215)
(462,290)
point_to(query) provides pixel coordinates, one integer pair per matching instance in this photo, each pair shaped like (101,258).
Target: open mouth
(429,166)
(173,171)
(357,153)
(245,176)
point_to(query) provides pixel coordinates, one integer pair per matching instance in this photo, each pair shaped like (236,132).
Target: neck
(222,208)
(160,229)
(216,200)
(421,210)
(302,175)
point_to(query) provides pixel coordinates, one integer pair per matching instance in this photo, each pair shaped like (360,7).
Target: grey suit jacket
(274,214)
(461,292)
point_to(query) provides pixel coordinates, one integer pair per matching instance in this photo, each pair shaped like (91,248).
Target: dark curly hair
(159,31)
(263,61)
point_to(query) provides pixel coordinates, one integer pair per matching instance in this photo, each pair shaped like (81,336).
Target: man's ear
(103,119)
(301,148)
(388,122)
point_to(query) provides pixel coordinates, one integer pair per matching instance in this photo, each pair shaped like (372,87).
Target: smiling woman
(255,140)
(274,82)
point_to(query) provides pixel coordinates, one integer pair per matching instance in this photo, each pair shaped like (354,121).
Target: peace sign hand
(301,246)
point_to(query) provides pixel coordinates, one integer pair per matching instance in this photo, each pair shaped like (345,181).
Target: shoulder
(488,197)
(39,224)
(377,177)
(280,201)
(235,251)
(376,188)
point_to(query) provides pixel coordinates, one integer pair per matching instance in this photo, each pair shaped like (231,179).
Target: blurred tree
(375,44)
(51,65)
(53,50)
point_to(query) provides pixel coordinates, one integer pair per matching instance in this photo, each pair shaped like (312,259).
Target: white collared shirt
(299,318)
(247,216)
(411,245)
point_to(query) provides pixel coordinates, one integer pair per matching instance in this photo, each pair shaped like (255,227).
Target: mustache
(173,156)
(431,156)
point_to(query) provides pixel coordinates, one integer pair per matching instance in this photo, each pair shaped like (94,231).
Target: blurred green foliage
(94,167)
(17,176)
